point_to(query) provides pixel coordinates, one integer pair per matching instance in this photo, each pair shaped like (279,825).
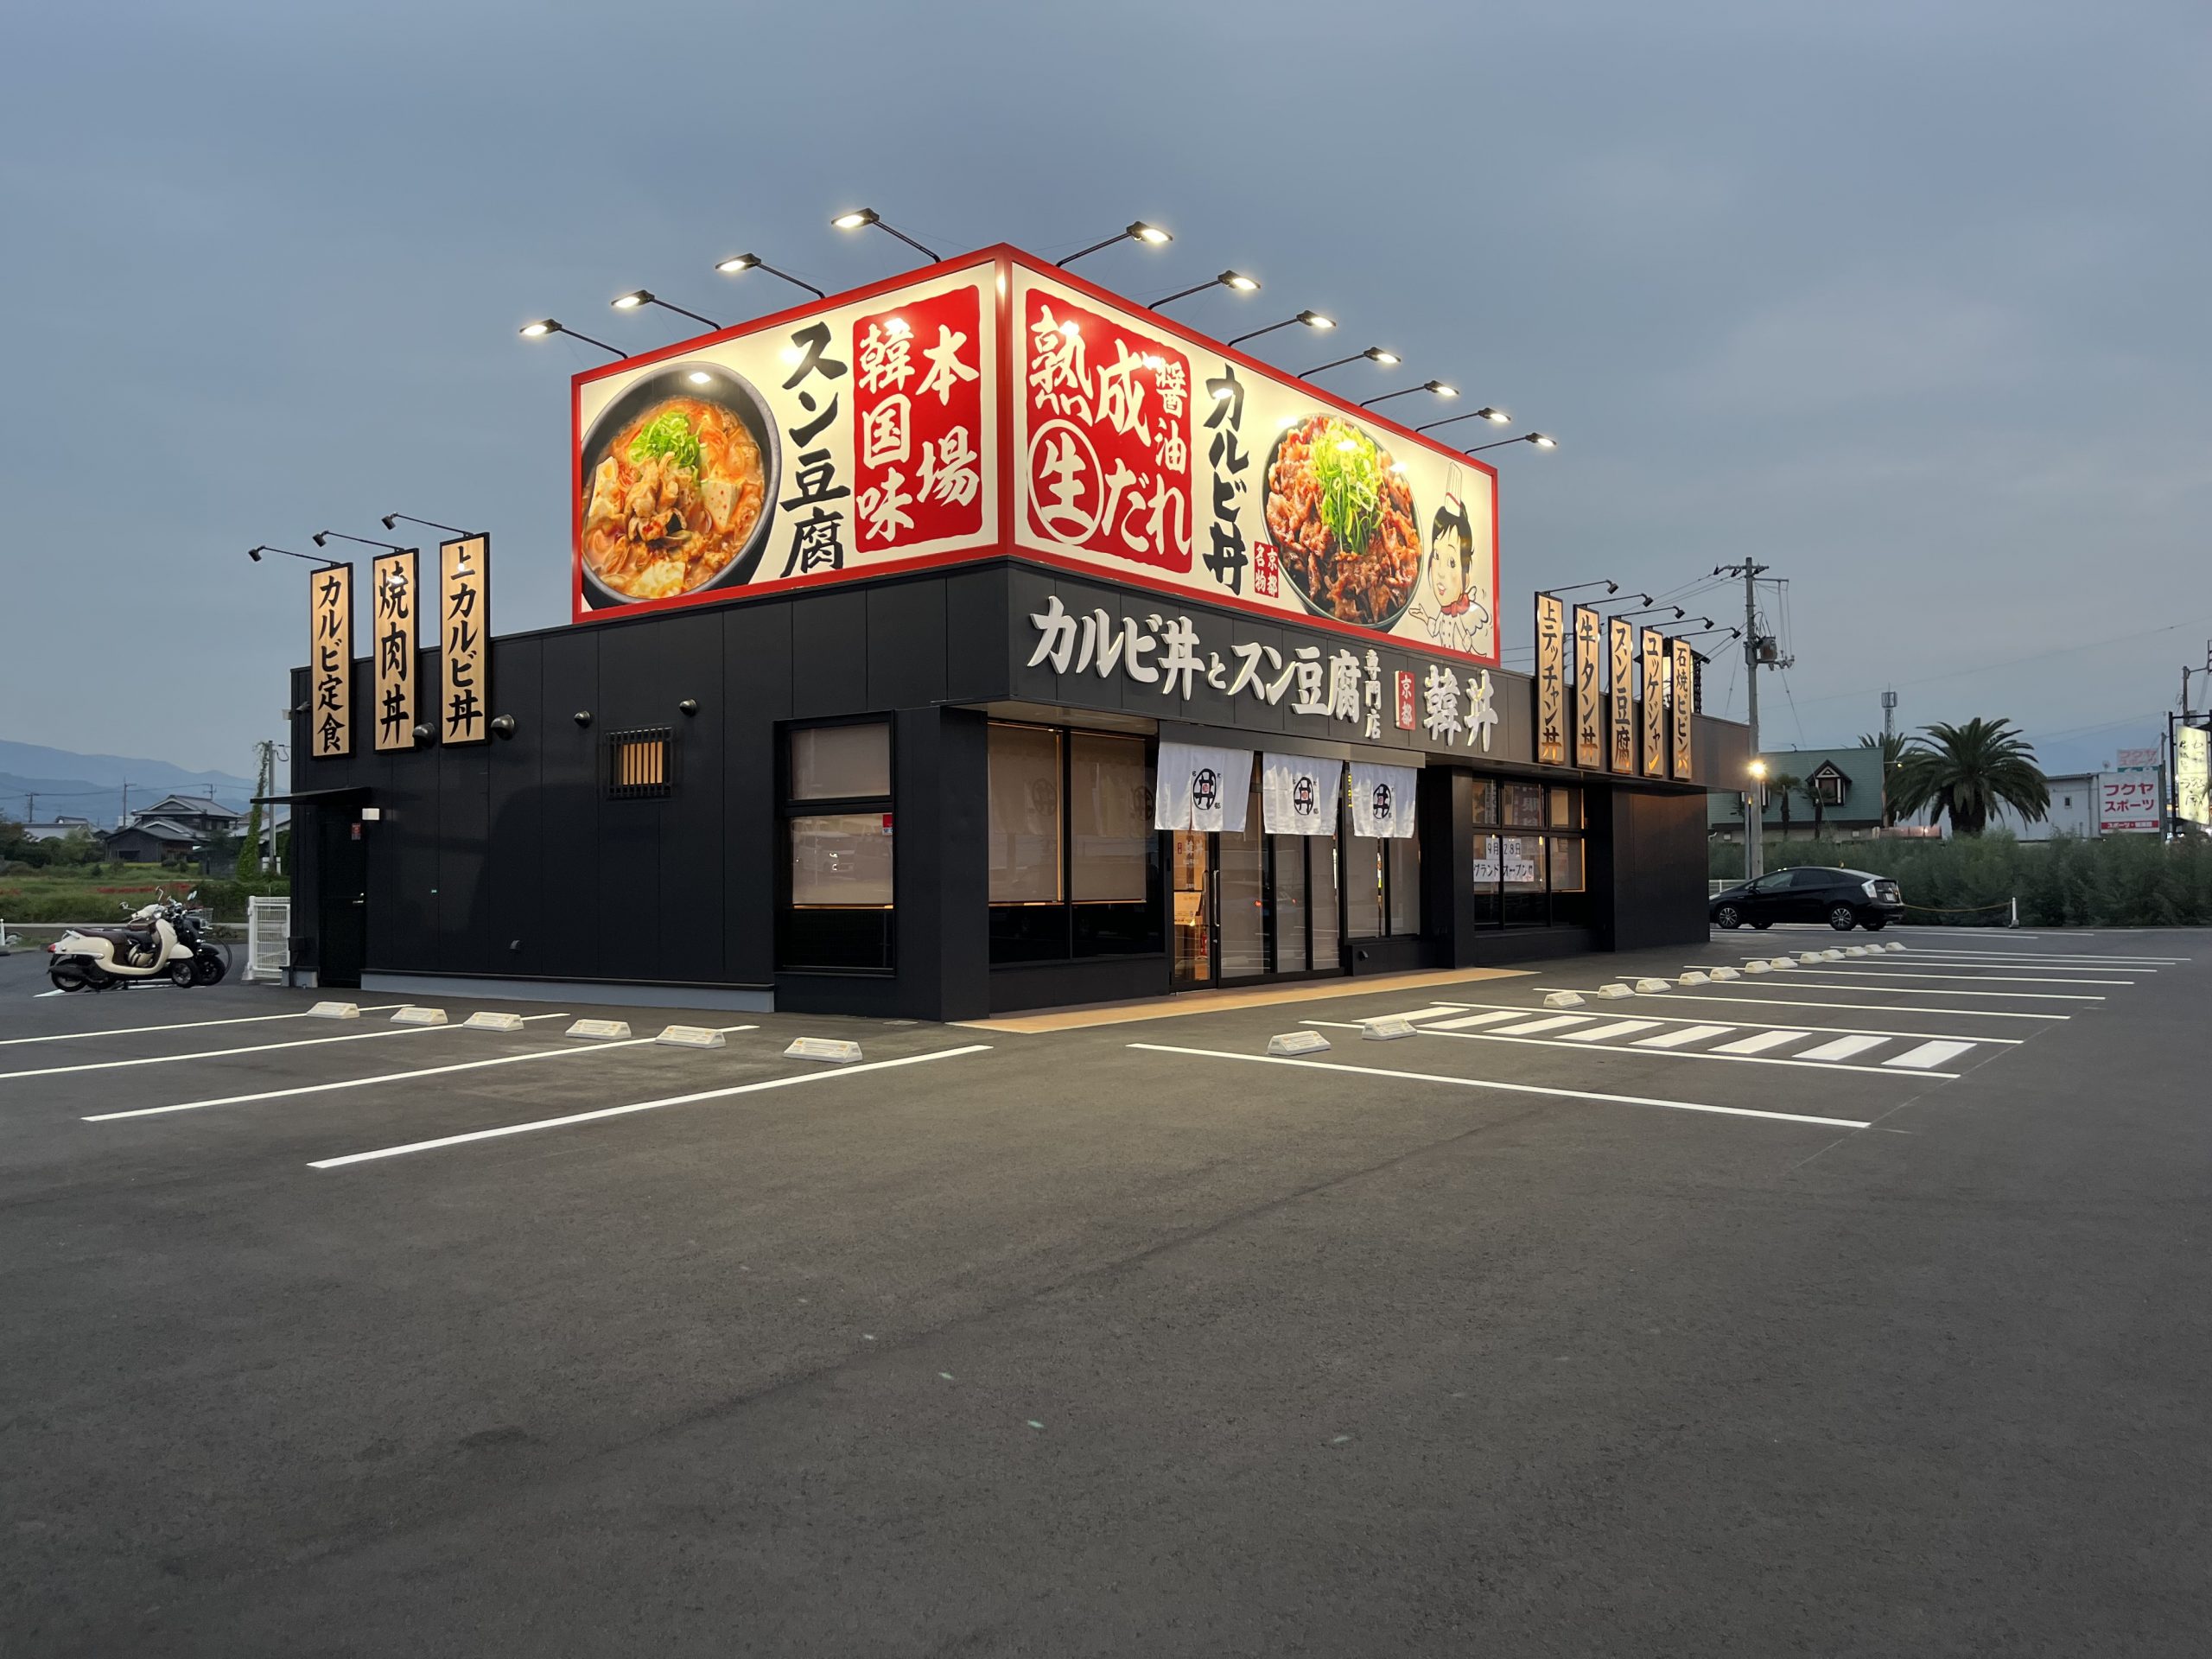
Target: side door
(1760,898)
(1806,900)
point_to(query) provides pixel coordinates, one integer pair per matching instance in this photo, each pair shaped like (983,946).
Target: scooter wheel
(208,970)
(66,982)
(182,975)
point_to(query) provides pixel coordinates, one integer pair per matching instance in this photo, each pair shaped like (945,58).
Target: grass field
(108,891)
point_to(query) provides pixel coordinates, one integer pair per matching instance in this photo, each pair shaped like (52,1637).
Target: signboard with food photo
(845,438)
(1149,453)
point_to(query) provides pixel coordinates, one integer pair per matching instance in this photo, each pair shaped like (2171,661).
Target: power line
(2011,661)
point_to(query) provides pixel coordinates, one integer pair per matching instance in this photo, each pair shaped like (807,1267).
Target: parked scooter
(160,942)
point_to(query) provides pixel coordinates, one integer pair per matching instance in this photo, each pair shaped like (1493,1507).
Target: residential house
(152,841)
(202,815)
(1838,796)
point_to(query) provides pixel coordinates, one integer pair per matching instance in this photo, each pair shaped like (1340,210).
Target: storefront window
(1074,862)
(1381,887)
(1523,879)
(1401,859)
(1025,815)
(840,888)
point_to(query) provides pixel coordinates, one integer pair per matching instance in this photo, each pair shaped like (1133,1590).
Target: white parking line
(1927,1054)
(2068,958)
(1687,1034)
(1853,970)
(1854,1030)
(1505,1088)
(256,1048)
(181,1025)
(1529,1027)
(824,1075)
(390,1076)
(1760,1041)
(1929,990)
(2014,965)
(1420,1013)
(1844,1047)
(1866,1007)
(1570,1039)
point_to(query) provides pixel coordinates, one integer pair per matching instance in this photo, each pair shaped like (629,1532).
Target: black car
(1842,899)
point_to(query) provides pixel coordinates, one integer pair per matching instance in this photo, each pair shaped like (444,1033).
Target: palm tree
(1968,771)
(1783,784)
(1893,752)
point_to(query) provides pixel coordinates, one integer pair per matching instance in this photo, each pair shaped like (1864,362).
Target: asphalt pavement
(1856,1306)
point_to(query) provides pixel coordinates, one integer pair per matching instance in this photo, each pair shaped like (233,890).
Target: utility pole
(1754,810)
(30,809)
(124,823)
(1889,739)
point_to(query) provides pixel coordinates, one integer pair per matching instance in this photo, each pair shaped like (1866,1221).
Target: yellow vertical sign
(1655,704)
(1589,690)
(391,643)
(330,662)
(464,639)
(1551,681)
(1685,702)
(1620,702)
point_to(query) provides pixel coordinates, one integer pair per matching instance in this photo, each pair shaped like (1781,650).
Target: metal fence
(267,932)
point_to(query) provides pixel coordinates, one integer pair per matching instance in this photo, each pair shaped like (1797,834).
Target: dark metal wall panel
(1651,888)
(906,646)
(942,866)
(464,831)
(975,632)
(757,656)
(1447,852)
(508,918)
(829,654)
(565,945)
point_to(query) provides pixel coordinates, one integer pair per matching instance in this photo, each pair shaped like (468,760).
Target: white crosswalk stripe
(1467,1020)
(1556,1022)
(1927,1055)
(1760,1041)
(1842,1048)
(1687,1034)
(1615,1028)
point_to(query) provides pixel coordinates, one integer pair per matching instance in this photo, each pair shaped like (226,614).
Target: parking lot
(1856,1305)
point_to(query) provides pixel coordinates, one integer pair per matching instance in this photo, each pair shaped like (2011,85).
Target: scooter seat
(122,936)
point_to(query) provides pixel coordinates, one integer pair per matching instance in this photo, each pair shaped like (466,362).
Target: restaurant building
(981,642)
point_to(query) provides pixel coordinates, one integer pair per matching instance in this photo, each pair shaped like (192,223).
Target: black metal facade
(510,860)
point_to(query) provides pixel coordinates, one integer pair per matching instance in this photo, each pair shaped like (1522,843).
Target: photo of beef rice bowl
(1341,516)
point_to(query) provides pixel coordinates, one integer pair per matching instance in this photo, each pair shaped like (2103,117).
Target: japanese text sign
(1621,700)
(1589,690)
(1683,704)
(464,633)
(391,640)
(2127,802)
(2193,774)
(330,662)
(1655,704)
(1148,453)
(851,437)
(1551,681)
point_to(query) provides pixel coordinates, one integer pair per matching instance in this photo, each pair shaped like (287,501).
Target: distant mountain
(68,785)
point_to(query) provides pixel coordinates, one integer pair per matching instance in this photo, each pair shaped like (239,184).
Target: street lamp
(862,217)
(1439,387)
(1495,416)
(545,326)
(637,297)
(738,264)
(1137,231)
(1373,354)
(1755,822)
(1536,438)
(1228,279)
(1312,320)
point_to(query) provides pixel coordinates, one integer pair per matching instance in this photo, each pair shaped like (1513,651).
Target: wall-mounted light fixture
(546,326)
(1138,231)
(738,264)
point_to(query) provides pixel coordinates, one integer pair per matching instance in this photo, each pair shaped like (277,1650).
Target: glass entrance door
(1191,893)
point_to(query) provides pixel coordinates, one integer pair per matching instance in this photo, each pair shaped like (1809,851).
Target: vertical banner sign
(1551,681)
(1589,690)
(1655,704)
(1685,695)
(1622,717)
(330,662)
(464,632)
(2193,774)
(391,628)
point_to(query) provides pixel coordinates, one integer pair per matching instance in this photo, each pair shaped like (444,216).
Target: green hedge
(2109,881)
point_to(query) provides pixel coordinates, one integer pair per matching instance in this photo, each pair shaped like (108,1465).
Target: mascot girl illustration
(1459,619)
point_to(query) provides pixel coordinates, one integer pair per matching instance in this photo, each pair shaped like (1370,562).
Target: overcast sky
(1909,302)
